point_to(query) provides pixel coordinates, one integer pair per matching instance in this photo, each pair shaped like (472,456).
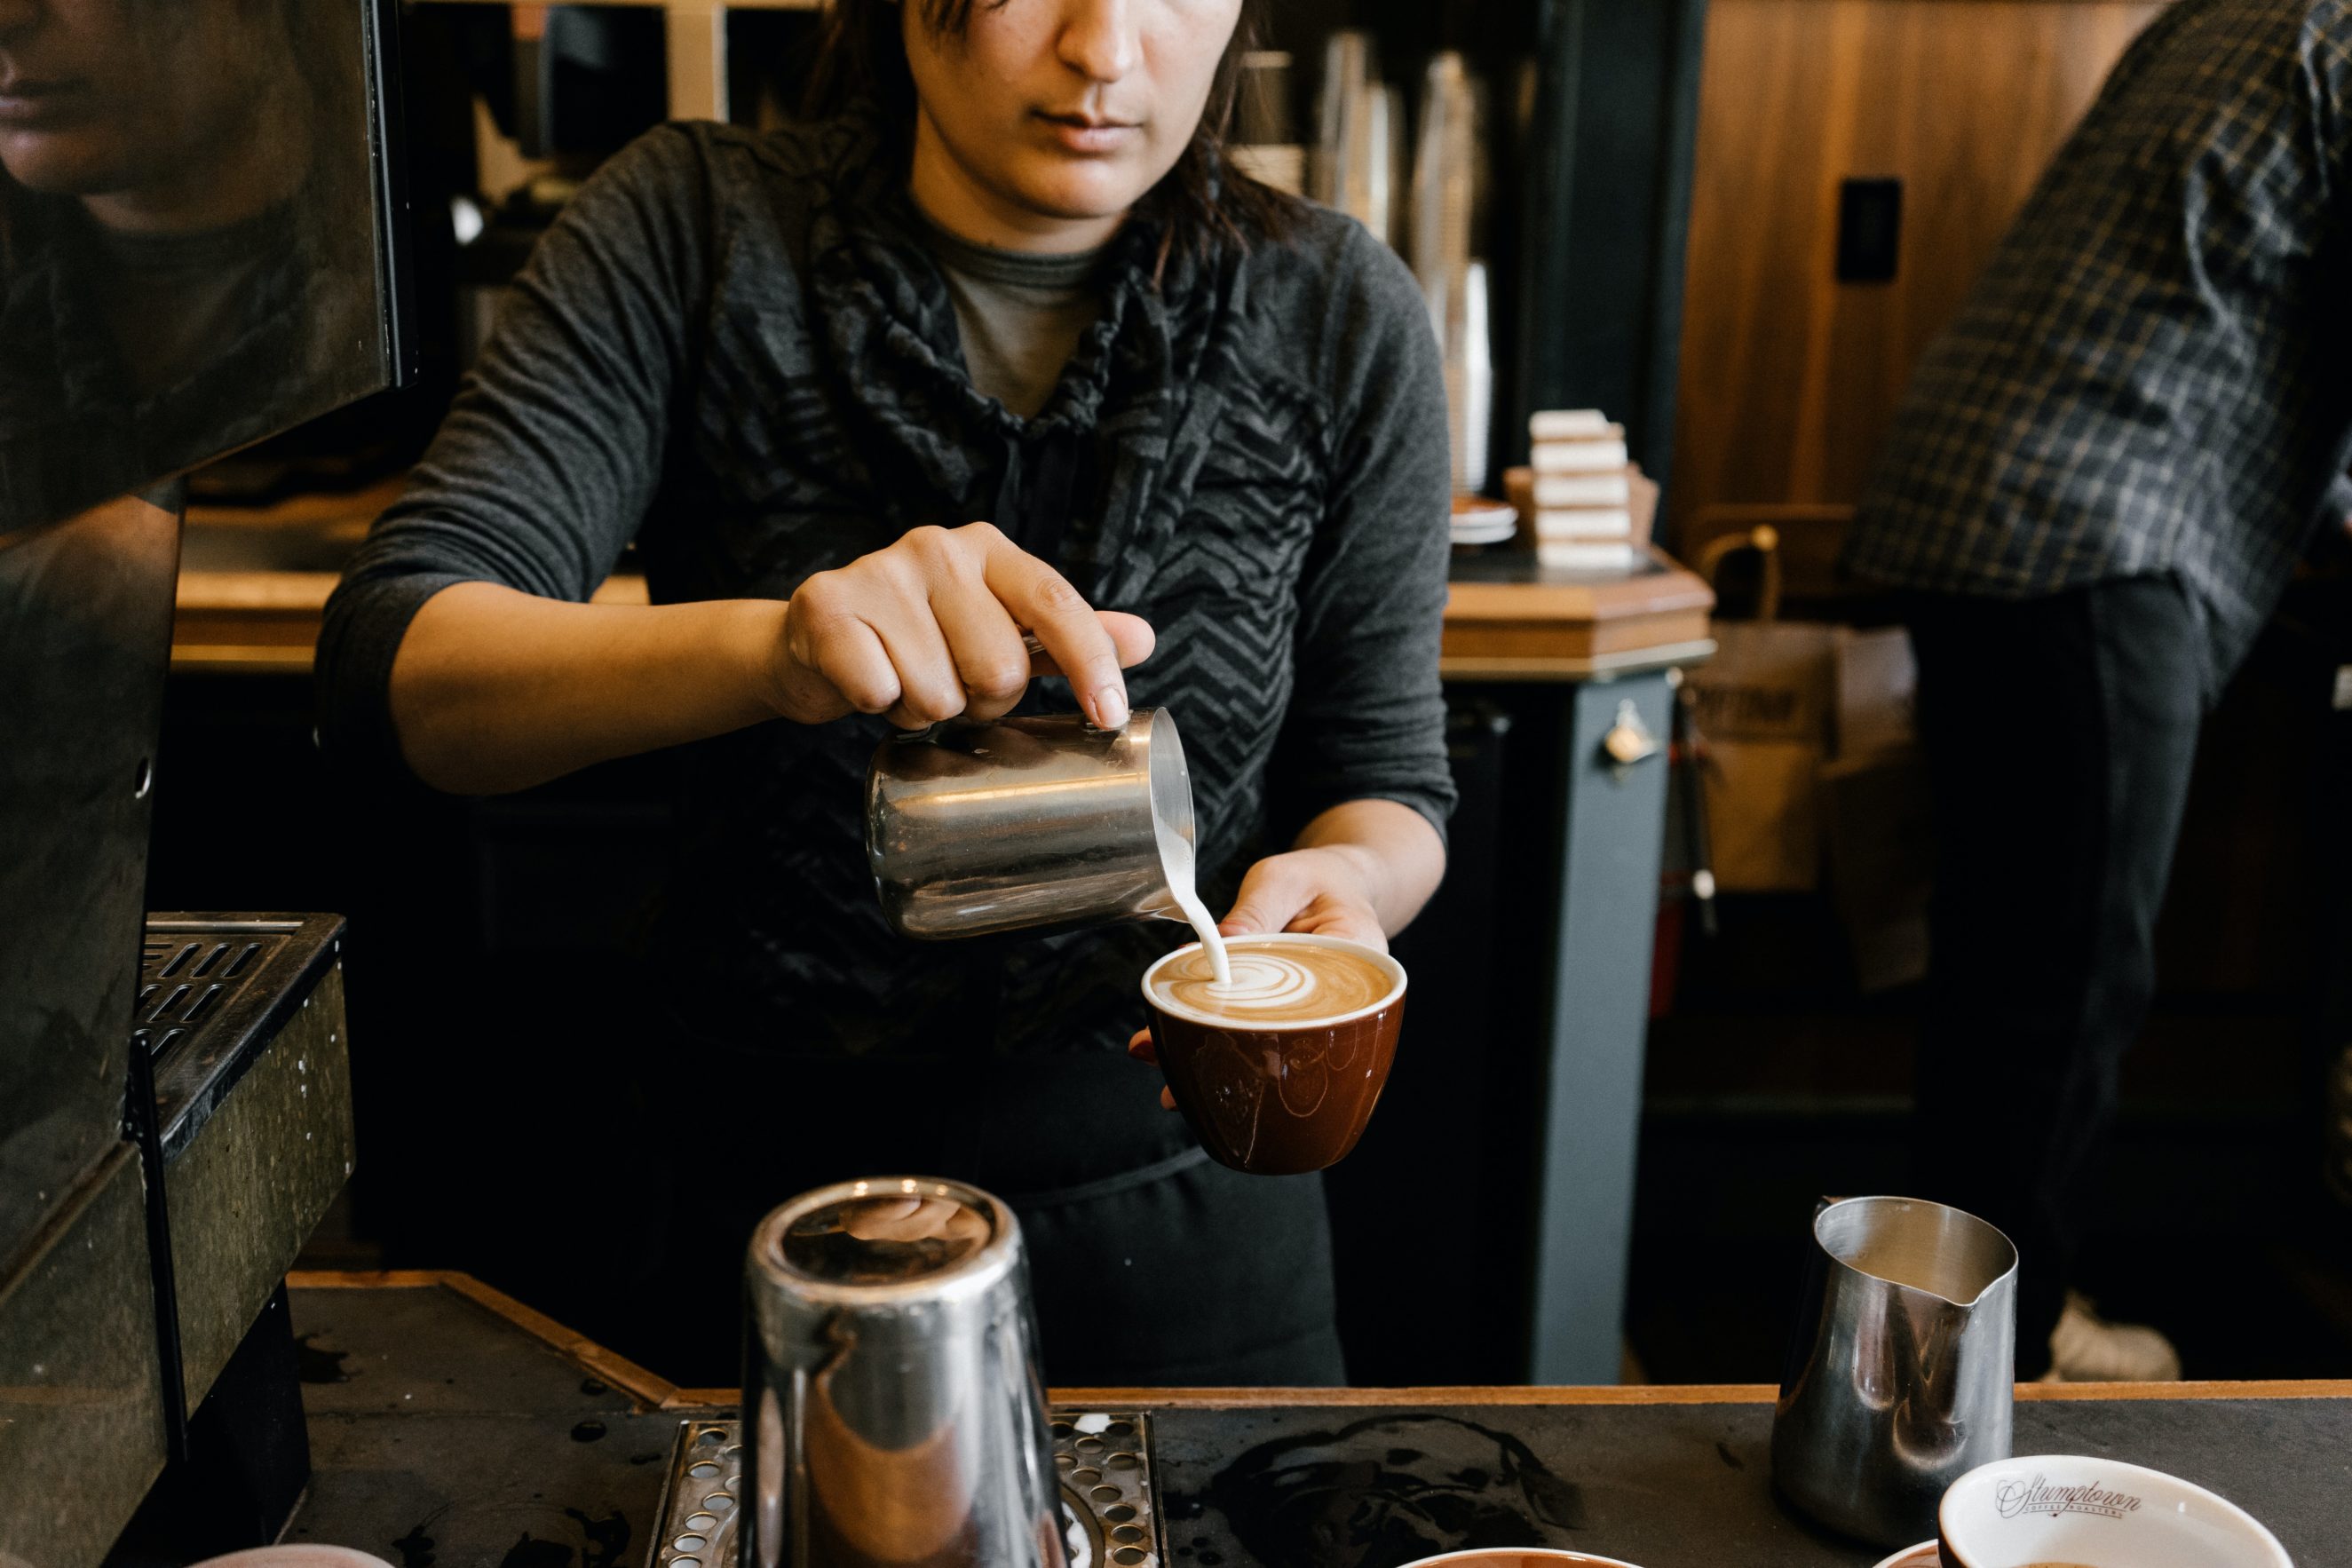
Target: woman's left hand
(1324,891)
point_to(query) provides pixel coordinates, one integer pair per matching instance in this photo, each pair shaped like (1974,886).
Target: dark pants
(2058,733)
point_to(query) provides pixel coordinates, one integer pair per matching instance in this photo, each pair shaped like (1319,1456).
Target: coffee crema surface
(1274,983)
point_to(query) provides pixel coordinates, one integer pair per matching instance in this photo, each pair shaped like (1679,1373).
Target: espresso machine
(175,1095)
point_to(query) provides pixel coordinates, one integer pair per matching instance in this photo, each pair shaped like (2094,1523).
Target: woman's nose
(1099,38)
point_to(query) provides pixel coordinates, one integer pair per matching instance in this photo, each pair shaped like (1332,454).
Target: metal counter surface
(449,1428)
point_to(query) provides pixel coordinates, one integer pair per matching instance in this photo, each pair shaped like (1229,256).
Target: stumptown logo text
(2038,1496)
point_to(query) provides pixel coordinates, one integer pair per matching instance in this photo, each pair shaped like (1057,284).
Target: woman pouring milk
(1001,342)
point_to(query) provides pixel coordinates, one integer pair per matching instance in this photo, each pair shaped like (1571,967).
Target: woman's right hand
(931,629)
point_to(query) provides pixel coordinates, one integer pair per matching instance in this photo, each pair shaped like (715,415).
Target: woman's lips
(1076,134)
(37,104)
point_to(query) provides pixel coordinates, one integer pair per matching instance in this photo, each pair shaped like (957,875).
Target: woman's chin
(72,162)
(1084,194)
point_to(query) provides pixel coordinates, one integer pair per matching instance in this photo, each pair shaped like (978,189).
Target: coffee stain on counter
(605,1541)
(1383,1491)
(416,1548)
(316,1363)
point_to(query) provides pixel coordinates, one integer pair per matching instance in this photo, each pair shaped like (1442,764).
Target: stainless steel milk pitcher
(893,1414)
(1899,1377)
(980,827)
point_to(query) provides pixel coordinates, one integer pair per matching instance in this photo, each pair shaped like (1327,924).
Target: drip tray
(1104,1459)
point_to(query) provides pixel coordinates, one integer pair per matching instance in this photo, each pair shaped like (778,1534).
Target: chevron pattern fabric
(734,348)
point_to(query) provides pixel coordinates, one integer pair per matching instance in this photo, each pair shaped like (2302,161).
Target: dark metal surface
(1664,1486)
(81,1426)
(140,1121)
(249,1189)
(248,1462)
(396,232)
(85,637)
(445,1433)
(213,989)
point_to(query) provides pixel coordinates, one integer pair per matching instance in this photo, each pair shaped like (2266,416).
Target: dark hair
(1200,203)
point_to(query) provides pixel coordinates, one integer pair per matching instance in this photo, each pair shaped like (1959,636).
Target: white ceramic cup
(1923,1555)
(1517,1557)
(295,1554)
(2095,1513)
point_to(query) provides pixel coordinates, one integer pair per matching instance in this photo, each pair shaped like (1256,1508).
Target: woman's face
(1063,111)
(100,96)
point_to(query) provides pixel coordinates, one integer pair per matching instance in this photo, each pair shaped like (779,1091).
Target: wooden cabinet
(1788,377)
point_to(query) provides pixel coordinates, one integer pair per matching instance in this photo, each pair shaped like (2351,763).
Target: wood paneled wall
(1788,377)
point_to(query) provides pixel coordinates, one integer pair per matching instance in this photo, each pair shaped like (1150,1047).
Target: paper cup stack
(1580,491)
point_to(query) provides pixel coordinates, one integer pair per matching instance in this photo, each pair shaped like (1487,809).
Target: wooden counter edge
(1676,588)
(297,592)
(1652,1393)
(265,622)
(657,1392)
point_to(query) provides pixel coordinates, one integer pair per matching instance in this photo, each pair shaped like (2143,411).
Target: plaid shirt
(2154,373)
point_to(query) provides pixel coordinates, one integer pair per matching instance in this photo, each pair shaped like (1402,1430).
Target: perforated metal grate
(213,989)
(1103,1458)
(187,975)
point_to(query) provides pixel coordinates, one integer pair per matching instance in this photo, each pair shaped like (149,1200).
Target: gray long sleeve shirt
(736,349)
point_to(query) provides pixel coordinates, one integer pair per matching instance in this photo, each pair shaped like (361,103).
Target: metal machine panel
(81,1421)
(85,637)
(274,1151)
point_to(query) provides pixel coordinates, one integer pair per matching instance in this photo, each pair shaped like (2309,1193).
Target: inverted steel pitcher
(977,827)
(893,1414)
(1899,1378)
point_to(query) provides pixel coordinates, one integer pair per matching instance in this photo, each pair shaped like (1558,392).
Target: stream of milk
(1176,858)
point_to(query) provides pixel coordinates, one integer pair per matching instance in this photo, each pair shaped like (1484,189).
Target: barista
(997,342)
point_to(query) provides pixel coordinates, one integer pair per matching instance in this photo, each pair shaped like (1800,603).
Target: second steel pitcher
(1899,1376)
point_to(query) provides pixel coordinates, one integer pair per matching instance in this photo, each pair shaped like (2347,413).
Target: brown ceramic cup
(1278,1099)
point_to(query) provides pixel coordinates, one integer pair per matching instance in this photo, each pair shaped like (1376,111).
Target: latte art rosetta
(1266,980)
(1275,982)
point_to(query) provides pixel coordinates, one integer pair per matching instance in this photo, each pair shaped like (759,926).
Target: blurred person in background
(2095,491)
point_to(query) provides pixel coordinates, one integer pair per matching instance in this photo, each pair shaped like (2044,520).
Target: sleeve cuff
(360,636)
